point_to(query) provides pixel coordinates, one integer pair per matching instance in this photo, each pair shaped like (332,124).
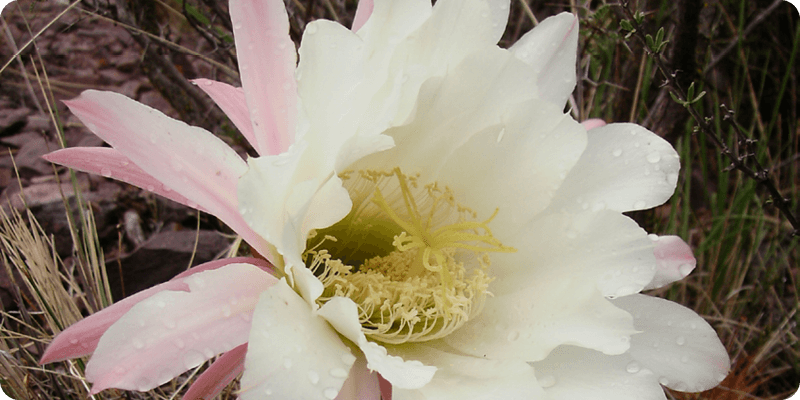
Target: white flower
(431,213)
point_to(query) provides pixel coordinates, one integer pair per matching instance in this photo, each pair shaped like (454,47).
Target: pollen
(413,259)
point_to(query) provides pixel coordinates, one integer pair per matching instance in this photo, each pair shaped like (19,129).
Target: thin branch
(740,153)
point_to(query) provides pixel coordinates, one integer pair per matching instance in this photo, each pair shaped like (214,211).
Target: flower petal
(233,103)
(361,383)
(449,112)
(222,372)
(342,314)
(625,168)
(592,123)
(676,344)
(363,13)
(525,159)
(81,338)
(553,290)
(571,372)
(675,261)
(113,164)
(292,354)
(170,332)
(267,61)
(552,48)
(186,159)
(461,377)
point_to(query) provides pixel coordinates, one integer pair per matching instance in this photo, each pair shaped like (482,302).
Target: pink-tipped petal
(674,261)
(386,388)
(593,123)
(113,164)
(233,103)
(361,383)
(218,375)
(171,332)
(186,159)
(267,61)
(363,13)
(81,338)
(212,265)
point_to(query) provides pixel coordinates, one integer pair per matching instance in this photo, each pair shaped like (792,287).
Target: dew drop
(684,359)
(268,392)
(633,367)
(681,387)
(313,377)
(547,381)
(571,234)
(685,269)
(513,336)
(693,326)
(663,381)
(73,341)
(179,343)
(617,152)
(311,29)
(672,178)
(105,172)
(348,359)
(137,343)
(287,363)
(92,127)
(150,188)
(501,134)
(680,340)
(639,205)
(237,25)
(192,359)
(330,393)
(339,373)
(208,82)
(653,157)
(226,311)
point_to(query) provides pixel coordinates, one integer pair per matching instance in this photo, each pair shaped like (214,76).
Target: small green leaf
(626,25)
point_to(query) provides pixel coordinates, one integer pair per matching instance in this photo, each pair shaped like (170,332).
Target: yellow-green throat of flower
(413,259)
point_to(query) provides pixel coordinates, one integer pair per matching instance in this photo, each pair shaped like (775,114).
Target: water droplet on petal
(547,381)
(653,157)
(330,393)
(311,29)
(680,340)
(267,392)
(684,359)
(192,359)
(639,205)
(617,152)
(287,363)
(339,373)
(633,367)
(92,127)
(313,377)
(663,381)
(685,269)
(512,336)
(150,188)
(73,341)
(105,172)
(571,234)
(348,358)
(137,343)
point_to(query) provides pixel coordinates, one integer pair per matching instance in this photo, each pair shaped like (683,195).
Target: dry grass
(746,283)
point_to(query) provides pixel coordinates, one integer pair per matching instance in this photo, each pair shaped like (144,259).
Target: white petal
(604,249)
(292,353)
(528,324)
(342,313)
(551,48)
(284,211)
(571,372)
(449,111)
(462,377)
(517,168)
(625,167)
(681,348)
(171,332)
(675,260)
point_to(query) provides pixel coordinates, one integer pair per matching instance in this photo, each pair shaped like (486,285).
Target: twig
(740,153)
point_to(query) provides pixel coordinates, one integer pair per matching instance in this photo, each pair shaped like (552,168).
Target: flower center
(413,259)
